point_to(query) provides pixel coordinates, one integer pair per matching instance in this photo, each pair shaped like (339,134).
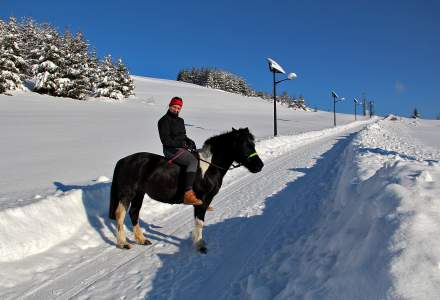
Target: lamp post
(335,96)
(371,104)
(274,67)
(356,102)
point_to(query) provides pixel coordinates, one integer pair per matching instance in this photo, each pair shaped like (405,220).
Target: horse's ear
(233,129)
(247,129)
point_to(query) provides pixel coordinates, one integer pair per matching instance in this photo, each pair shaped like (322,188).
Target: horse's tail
(114,193)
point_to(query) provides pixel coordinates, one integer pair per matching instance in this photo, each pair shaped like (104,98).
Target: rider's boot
(191,199)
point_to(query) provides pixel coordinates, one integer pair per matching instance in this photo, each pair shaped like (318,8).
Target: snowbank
(34,228)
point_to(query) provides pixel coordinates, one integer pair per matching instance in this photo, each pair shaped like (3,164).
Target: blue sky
(388,50)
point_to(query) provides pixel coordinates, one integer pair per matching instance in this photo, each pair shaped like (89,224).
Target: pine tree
(183,75)
(123,79)
(415,114)
(13,66)
(2,27)
(245,89)
(94,64)
(49,69)
(76,68)
(32,43)
(107,87)
(210,80)
(2,35)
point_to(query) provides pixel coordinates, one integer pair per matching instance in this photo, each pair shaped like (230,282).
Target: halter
(252,155)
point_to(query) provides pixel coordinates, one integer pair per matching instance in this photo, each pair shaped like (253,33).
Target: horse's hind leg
(121,210)
(136,205)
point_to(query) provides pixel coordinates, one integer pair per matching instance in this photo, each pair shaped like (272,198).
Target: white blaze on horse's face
(205,154)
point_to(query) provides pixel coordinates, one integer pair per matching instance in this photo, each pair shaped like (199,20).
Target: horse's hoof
(125,246)
(201,247)
(203,250)
(144,242)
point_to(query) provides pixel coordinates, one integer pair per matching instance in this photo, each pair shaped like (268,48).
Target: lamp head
(292,76)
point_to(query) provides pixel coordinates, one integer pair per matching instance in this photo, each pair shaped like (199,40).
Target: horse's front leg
(197,235)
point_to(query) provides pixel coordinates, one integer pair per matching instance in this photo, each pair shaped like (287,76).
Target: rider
(177,146)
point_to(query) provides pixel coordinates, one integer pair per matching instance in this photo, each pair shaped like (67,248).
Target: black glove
(190,144)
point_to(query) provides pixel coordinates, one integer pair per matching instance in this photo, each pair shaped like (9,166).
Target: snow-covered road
(250,211)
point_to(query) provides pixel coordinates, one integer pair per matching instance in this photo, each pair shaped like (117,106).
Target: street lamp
(274,67)
(356,103)
(335,96)
(371,104)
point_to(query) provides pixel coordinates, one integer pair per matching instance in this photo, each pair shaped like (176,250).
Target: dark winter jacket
(173,134)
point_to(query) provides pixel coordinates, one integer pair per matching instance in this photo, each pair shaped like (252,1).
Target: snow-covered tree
(2,35)
(245,89)
(76,69)
(48,71)
(123,79)
(415,114)
(32,43)
(2,27)
(107,87)
(183,75)
(94,64)
(13,66)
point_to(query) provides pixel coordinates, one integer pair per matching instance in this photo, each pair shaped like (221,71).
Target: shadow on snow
(95,198)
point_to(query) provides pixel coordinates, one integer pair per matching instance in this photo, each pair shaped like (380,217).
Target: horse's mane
(223,139)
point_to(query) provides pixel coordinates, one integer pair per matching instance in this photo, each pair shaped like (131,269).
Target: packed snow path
(248,212)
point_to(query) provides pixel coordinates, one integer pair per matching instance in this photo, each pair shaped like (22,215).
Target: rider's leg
(187,160)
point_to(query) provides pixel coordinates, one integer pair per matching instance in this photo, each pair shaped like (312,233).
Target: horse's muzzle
(255,165)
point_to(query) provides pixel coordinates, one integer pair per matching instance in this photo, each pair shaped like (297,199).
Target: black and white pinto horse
(146,173)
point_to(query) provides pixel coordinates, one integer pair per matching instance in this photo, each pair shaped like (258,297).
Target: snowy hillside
(349,212)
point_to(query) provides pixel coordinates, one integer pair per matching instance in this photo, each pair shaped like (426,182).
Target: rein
(238,165)
(218,167)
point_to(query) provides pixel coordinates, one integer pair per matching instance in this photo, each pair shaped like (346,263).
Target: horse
(148,173)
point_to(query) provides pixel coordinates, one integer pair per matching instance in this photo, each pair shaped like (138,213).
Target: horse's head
(244,150)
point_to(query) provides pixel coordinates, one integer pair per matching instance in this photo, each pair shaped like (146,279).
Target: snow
(346,212)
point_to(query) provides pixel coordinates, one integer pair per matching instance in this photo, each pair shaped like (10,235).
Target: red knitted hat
(176,101)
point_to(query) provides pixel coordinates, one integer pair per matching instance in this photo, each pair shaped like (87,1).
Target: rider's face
(175,109)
